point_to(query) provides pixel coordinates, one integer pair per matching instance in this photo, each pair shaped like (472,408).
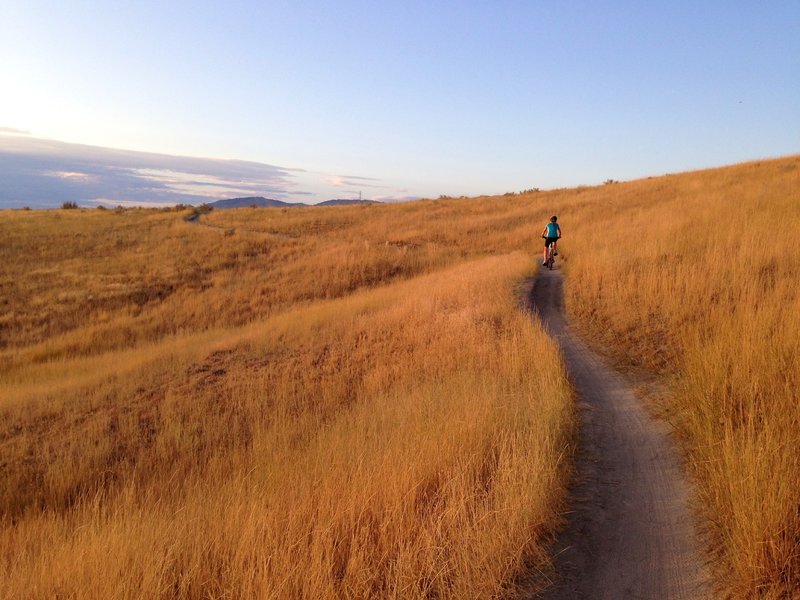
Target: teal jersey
(553,230)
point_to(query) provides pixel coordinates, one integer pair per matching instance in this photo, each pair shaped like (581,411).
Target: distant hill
(260,201)
(253,201)
(343,202)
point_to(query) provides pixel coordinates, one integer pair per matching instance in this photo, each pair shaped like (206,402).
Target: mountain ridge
(262,202)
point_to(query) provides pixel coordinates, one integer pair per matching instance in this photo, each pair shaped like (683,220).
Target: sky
(311,100)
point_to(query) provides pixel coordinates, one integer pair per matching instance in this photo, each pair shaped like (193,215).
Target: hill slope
(252,201)
(701,288)
(165,383)
(261,202)
(337,405)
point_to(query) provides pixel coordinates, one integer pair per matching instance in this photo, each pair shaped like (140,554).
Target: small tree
(69,205)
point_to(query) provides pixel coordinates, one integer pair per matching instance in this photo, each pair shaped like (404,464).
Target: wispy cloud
(214,186)
(354,181)
(72,176)
(41,173)
(14,131)
(130,203)
(359,178)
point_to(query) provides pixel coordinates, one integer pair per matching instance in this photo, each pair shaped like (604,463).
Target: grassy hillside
(349,401)
(695,277)
(319,404)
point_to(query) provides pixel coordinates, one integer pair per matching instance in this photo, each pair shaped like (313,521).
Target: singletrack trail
(194,219)
(630,533)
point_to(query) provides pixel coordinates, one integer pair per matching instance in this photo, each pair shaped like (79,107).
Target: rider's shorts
(548,241)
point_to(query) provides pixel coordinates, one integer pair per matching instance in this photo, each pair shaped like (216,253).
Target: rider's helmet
(554,218)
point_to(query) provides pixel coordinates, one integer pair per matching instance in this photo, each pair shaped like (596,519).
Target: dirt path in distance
(630,533)
(194,219)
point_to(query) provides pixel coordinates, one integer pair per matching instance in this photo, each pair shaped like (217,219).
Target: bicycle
(551,258)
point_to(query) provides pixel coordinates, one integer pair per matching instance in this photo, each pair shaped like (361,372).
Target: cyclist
(551,233)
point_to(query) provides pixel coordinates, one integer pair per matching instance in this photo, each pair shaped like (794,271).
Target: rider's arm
(544,232)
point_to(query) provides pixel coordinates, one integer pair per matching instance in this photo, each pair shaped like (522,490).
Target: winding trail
(630,533)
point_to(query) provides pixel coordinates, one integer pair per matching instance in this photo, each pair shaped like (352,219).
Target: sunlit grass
(391,442)
(350,401)
(696,277)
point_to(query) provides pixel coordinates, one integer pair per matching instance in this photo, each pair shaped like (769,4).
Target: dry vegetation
(297,409)
(695,277)
(349,402)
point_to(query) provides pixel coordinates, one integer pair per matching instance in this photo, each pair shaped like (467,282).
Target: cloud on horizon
(395,198)
(14,131)
(43,173)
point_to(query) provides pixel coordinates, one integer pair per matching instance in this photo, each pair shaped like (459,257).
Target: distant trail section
(630,532)
(194,219)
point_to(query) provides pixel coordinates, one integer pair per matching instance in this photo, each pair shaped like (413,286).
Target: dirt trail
(630,533)
(194,219)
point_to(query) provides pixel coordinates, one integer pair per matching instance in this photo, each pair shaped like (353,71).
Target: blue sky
(416,98)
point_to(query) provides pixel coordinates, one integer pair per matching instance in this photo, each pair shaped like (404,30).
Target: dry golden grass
(304,431)
(695,277)
(348,401)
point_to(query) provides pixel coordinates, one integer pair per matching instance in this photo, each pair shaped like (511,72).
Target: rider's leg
(544,256)
(555,248)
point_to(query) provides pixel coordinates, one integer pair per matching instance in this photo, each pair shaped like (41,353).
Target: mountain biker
(551,234)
